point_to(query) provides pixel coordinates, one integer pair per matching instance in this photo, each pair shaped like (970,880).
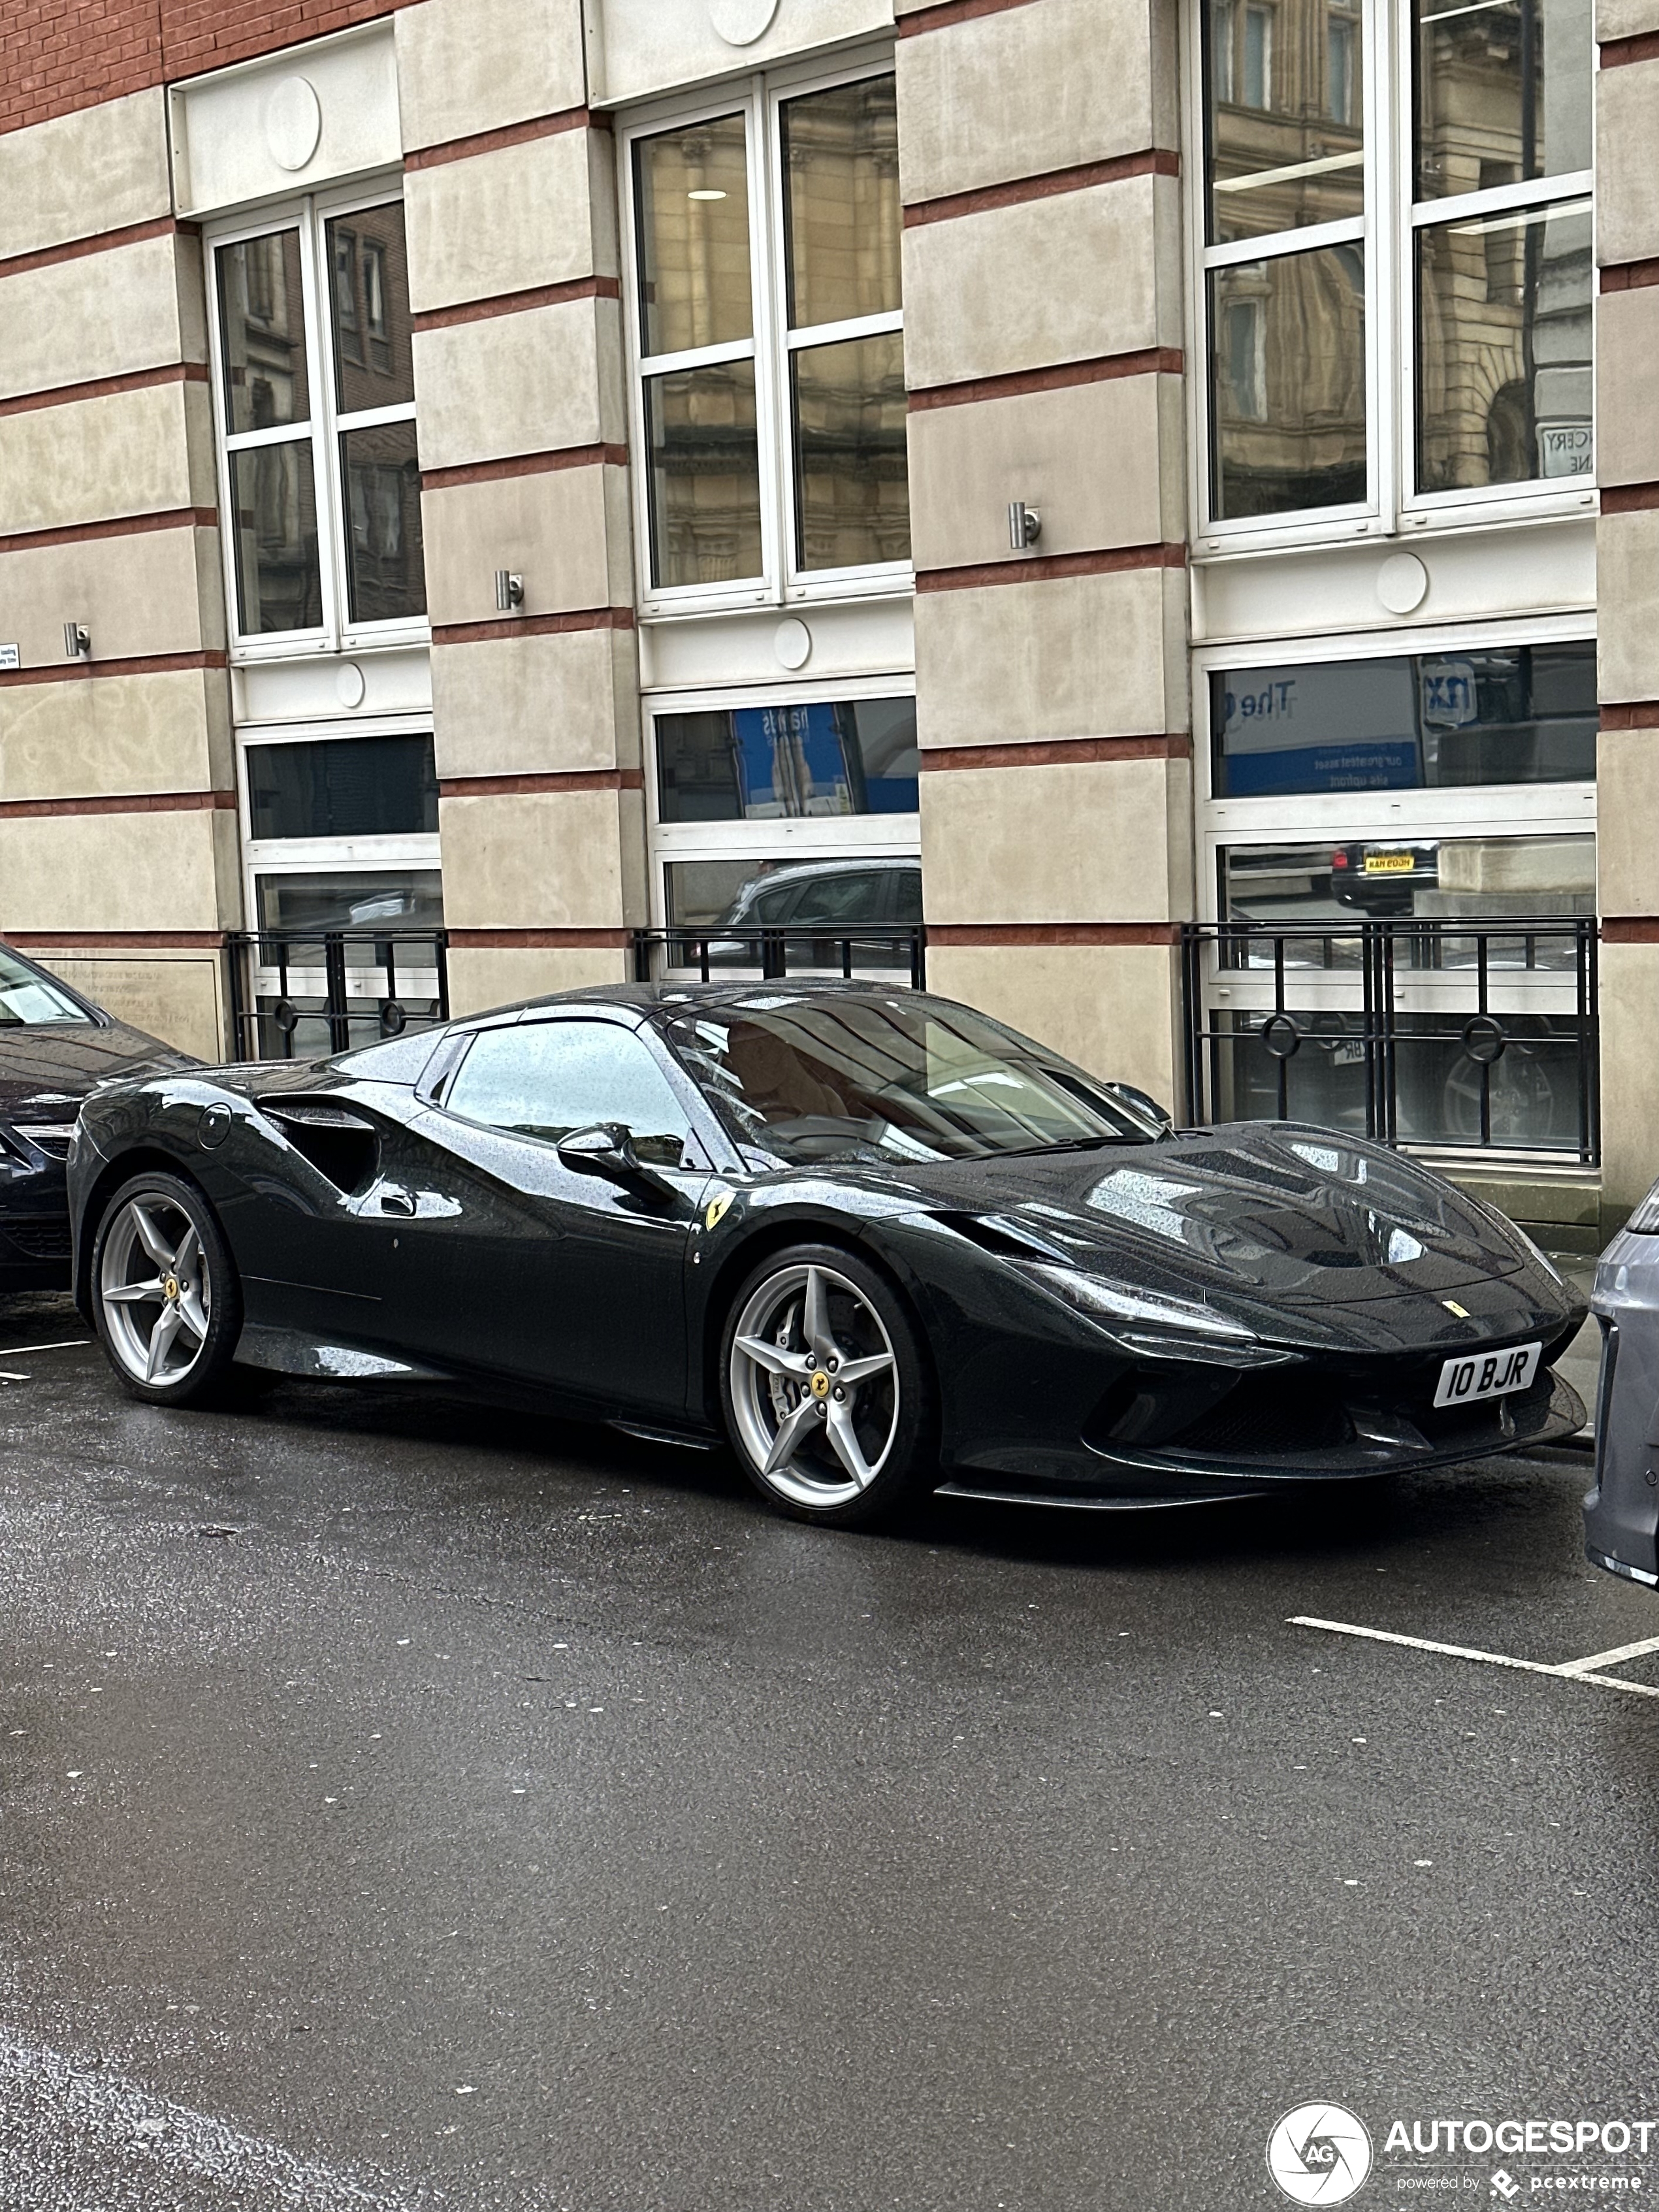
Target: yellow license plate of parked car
(1389,864)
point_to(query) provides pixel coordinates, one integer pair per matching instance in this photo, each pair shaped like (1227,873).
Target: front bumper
(1622,1512)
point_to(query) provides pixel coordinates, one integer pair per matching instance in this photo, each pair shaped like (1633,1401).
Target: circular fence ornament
(1483,1040)
(1280,1036)
(740,22)
(294,123)
(393,1020)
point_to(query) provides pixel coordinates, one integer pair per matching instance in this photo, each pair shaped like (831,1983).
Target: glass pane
(1287,118)
(29,995)
(1502,93)
(385,572)
(842,203)
(1522,713)
(692,191)
(1503,348)
(759,763)
(763,894)
(852,480)
(368,277)
(278,582)
(550,1079)
(352,787)
(705,475)
(1289,382)
(365,902)
(263,321)
(1445,878)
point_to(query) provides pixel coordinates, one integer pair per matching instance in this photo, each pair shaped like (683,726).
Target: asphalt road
(403,1805)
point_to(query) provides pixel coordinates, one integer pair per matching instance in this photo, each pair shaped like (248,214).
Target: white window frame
(1386,234)
(306,856)
(785,838)
(338,633)
(1490,810)
(758,98)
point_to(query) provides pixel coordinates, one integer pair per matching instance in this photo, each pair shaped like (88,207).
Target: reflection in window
(1502,93)
(373,356)
(692,191)
(705,475)
(548,1079)
(788,761)
(1523,714)
(772,894)
(279,581)
(1287,146)
(852,492)
(1290,382)
(380,476)
(360,902)
(1505,355)
(344,787)
(262,319)
(841,201)
(1448,879)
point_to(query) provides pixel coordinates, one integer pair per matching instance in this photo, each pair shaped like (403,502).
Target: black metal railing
(299,993)
(882,950)
(1438,1034)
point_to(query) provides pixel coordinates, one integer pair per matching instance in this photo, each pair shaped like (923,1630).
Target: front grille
(47,1239)
(1267,1417)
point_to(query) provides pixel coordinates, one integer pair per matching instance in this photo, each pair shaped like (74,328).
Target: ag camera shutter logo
(1320,2154)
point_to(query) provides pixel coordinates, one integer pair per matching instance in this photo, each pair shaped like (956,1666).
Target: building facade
(1120,480)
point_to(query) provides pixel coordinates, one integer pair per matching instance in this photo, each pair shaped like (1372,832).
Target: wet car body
(1621,1513)
(1277,1302)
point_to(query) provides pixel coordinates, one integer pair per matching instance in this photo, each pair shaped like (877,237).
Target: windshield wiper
(1071,1145)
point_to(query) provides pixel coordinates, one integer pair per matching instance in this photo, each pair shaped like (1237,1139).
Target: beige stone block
(1024,92)
(1627,162)
(1072,278)
(528,383)
(482,977)
(1112,1009)
(140,594)
(1630,1097)
(546,860)
(1063,842)
(1628,590)
(178,997)
(535,705)
(1625,19)
(1626,809)
(1101,462)
(466,66)
(100,168)
(87,460)
(1627,387)
(104,314)
(106,735)
(1071,656)
(501,221)
(118,871)
(565,530)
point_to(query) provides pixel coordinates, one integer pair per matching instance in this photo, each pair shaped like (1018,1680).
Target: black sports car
(55,1048)
(881,1242)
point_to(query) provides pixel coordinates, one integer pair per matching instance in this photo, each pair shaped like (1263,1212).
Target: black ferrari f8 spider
(882,1244)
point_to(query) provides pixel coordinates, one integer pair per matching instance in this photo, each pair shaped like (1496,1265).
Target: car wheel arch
(142,1159)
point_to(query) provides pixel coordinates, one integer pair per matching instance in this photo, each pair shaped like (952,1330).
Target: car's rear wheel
(165,1299)
(827,1393)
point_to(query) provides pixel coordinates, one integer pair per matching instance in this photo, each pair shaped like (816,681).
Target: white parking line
(64,1344)
(1571,1670)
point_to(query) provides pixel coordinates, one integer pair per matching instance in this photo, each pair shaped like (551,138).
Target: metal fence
(879,951)
(1440,1035)
(300,995)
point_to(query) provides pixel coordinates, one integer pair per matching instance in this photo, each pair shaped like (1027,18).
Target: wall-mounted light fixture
(509,590)
(1024,525)
(77,641)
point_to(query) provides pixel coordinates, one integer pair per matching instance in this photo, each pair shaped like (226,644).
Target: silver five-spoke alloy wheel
(815,1385)
(156,1290)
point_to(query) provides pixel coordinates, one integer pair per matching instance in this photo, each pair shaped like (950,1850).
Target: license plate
(1488,1375)
(1390,864)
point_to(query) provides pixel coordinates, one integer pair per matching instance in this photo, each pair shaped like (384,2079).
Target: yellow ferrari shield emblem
(718,1209)
(1452,1307)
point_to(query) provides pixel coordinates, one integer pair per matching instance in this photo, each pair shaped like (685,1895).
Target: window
(321,479)
(769,331)
(1440,275)
(788,761)
(548,1079)
(350,787)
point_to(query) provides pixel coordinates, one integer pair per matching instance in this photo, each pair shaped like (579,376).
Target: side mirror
(1144,1104)
(607,1150)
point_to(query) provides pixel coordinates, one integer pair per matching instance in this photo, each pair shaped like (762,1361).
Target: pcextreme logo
(1319,2154)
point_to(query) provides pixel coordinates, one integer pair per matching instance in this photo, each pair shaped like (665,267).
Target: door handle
(395,1199)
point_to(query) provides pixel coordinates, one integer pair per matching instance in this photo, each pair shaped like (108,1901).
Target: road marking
(66,1344)
(6,1376)
(1572,1670)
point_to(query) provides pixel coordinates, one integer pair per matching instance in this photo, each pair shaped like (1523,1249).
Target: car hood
(1273,1223)
(47,1069)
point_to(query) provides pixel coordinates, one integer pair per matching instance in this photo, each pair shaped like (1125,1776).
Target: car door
(514,1262)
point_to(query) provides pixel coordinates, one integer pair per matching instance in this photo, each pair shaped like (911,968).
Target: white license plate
(1488,1375)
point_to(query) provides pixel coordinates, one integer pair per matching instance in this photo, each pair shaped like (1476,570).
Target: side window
(546,1080)
(840,899)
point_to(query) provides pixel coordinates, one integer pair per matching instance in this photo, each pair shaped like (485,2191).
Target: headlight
(1645,1219)
(1544,1259)
(1116,1302)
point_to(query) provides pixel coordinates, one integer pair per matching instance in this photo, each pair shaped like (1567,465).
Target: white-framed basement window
(765,318)
(313,390)
(1392,244)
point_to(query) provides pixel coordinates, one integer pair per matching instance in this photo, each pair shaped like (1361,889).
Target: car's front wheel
(166,1298)
(827,1393)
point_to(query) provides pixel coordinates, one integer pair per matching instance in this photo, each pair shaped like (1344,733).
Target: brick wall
(60,55)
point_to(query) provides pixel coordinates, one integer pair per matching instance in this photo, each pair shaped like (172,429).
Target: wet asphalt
(406,1804)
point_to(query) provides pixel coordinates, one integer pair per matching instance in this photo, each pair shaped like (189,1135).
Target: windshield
(28,996)
(891,1080)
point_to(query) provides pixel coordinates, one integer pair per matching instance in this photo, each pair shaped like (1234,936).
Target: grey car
(1621,1513)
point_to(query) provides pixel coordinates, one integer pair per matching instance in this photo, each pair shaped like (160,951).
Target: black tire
(883,1422)
(160,1228)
